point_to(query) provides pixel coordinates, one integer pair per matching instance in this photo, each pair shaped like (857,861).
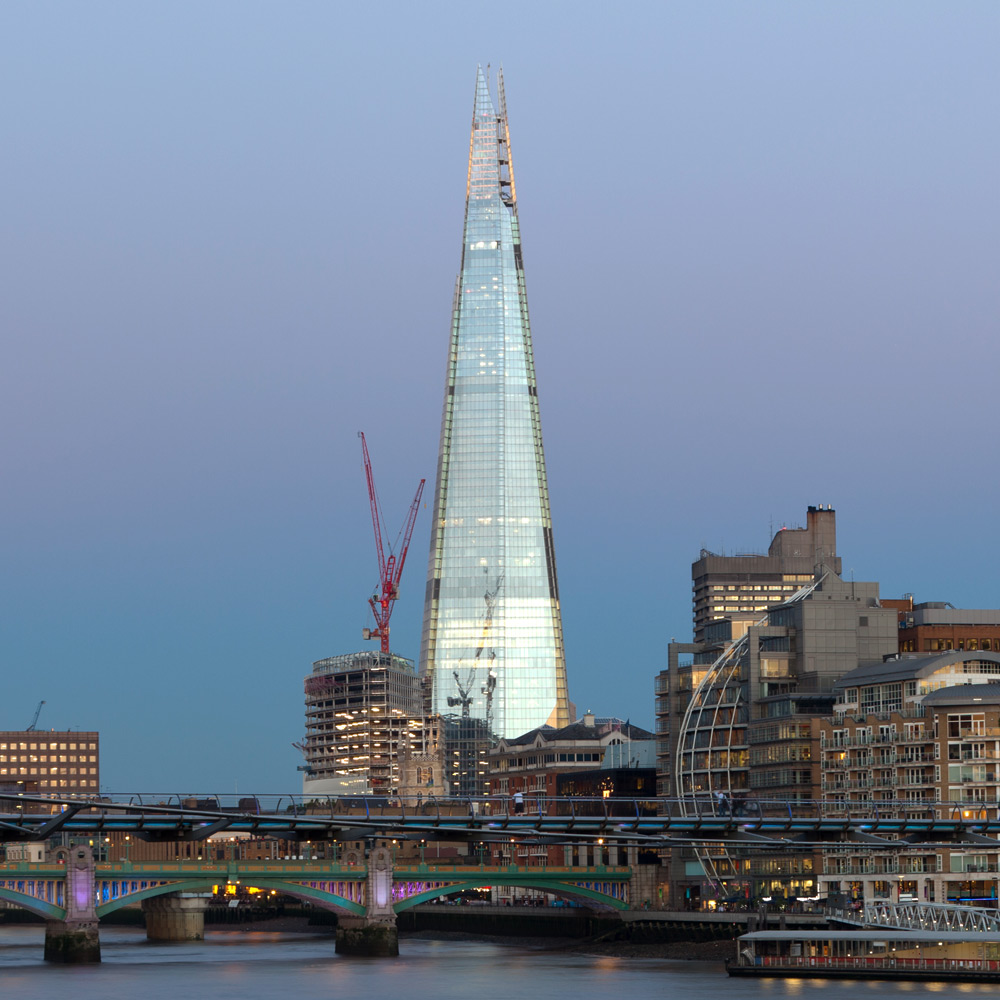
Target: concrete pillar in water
(177,917)
(75,939)
(374,935)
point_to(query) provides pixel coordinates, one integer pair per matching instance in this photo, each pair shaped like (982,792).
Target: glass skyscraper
(492,639)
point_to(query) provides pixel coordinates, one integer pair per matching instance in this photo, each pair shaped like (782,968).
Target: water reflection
(241,965)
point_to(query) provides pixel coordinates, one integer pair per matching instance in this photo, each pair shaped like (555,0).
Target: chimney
(588,719)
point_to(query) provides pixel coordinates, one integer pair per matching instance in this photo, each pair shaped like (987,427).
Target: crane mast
(34,721)
(390,569)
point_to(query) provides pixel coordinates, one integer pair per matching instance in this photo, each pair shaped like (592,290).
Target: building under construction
(366,732)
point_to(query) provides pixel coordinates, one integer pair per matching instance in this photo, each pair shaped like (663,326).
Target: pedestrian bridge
(921,917)
(652,823)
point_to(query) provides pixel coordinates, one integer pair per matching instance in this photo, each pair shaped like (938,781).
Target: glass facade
(492,633)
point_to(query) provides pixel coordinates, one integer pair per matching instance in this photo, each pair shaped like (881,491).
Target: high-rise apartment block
(915,736)
(492,640)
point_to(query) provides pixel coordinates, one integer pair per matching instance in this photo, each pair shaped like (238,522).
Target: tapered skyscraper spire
(492,636)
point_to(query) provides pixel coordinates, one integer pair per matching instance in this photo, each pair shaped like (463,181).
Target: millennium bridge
(651,822)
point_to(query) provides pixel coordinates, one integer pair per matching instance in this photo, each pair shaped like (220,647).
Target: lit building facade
(364,720)
(915,736)
(492,641)
(46,762)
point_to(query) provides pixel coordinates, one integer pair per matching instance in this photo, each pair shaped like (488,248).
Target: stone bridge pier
(374,935)
(177,917)
(75,939)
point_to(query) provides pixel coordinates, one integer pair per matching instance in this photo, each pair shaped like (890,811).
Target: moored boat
(882,953)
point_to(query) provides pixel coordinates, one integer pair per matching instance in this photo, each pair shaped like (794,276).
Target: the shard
(492,639)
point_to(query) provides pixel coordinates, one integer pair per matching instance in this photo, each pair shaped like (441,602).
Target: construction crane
(307,767)
(390,569)
(34,721)
(465,699)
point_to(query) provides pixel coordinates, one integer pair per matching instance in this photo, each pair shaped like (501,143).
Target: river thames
(252,965)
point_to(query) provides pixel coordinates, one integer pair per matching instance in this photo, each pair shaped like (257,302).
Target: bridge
(370,890)
(367,893)
(921,917)
(651,823)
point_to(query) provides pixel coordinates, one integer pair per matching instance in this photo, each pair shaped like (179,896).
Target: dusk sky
(761,245)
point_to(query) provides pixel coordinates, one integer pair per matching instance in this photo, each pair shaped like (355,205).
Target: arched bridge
(42,887)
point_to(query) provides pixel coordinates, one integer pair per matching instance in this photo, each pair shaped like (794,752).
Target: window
(971,724)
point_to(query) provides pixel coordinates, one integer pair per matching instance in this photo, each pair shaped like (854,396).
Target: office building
(739,710)
(57,764)
(492,641)
(936,626)
(741,588)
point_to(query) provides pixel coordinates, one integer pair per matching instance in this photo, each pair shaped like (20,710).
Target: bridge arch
(165,888)
(564,890)
(48,910)
(320,897)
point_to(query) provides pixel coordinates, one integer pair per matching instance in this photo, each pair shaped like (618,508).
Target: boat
(870,953)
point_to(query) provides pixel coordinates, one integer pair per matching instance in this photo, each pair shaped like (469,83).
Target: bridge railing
(322,817)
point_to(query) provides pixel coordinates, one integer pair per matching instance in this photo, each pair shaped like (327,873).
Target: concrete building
(738,712)
(364,717)
(60,764)
(802,646)
(916,735)
(741,588)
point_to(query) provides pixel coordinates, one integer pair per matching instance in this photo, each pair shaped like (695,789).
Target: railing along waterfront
(872,963)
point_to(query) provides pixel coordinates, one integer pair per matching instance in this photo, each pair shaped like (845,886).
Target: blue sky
(761,249)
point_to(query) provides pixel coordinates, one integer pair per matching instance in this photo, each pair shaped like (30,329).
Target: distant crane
(307,767)
(34,721)
(389,568)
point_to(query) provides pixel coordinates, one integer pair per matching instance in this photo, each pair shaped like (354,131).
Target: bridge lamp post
(128,845)
(422,848)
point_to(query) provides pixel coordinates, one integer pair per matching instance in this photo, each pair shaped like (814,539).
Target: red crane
(389,569)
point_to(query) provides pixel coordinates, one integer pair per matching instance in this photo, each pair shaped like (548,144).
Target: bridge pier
(75,940)
(644,884)
(373,935)
(177,917)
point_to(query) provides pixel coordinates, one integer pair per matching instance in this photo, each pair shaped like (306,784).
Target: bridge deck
(658,822)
